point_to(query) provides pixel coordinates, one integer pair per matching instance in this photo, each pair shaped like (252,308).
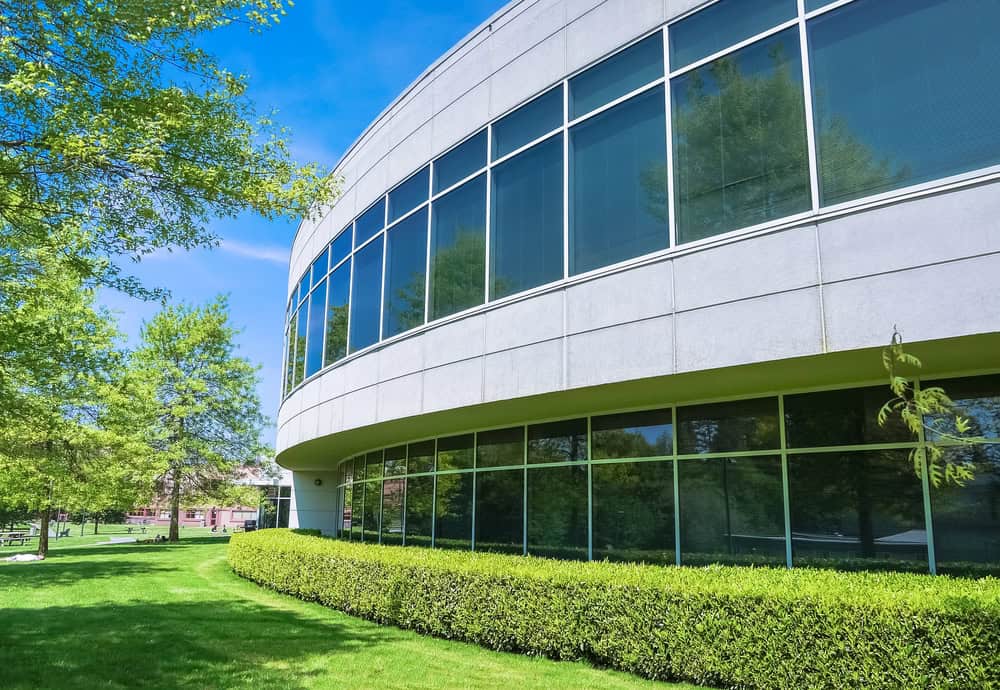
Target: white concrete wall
(836,282)
(314,507)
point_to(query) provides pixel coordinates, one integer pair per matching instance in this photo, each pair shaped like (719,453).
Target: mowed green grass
(175,616)
(104,534)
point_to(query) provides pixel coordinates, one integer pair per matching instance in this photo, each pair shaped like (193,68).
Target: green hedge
(719,626)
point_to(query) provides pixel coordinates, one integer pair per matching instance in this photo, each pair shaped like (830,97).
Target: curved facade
(610,279)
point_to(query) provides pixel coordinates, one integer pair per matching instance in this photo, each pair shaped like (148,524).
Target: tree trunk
(175,507)
(96,522)
(43,536)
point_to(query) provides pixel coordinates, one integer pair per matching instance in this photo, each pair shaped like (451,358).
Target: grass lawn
(175,616)
(104,534)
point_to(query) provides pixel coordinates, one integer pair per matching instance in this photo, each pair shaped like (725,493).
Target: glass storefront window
(453,529)
(395,461)
(558,441)
(405,272)
(366,296)
(419,513)
(420,457)
(337,296)
(529,122)
(460,162)
(633,509)
(458,249)
(723,24)
(645,434)
(369,222)
(500,447)
(456,452)
(314,336)
(967,518)
(409,194)
(726,427)
(392,511)
(616,76)
(499,511)
(557,512)
(840,418)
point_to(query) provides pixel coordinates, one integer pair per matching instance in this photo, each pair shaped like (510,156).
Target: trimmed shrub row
(722,626)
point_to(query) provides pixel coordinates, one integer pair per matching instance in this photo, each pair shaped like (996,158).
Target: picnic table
(8,538)
(141,529)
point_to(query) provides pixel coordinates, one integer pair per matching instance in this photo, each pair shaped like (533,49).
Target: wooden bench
(8,538)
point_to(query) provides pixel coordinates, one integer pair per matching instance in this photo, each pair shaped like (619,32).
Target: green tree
(113,120)
(208,411)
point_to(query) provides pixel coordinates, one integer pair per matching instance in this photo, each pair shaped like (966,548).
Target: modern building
(612,279)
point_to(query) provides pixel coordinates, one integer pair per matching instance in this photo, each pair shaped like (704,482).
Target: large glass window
(856,510)
(645,434)
(967,518)
(460,162)
(731,511)
(369,222)
(456,452)
(359,468)
(499,511)
(345,524)
(526,241)
(633,511)
(340,248)
(409,194)
(557,512)
(527,123)
(840,418)
(726,427)
(621,73)
(373,465)
(904,92)
(419,511)
(458,249)
(618,184)
(420,457)
(395,461)
(372,512)
(320,266)
(722,24)
(290,352)
(337,301)
(564,441)
(392,511)
(500,447)
(405,273)
(300,344)
(740,140)
(366,296)
(357,510)
(976,398)
(314,338)
(453,529)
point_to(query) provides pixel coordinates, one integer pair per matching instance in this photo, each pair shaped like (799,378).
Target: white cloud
(274,254)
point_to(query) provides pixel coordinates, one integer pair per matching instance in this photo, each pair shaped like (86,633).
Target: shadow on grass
(129,547)
(208,644)
(49,573)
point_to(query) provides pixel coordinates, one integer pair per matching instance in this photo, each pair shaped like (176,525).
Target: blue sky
(328,69)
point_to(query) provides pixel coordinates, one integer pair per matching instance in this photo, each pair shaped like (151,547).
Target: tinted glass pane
(617,76)
(454,511)
(458,249)
(632,435)
(409,194)
(856,510)
(372,511)
(419,510)
(373,465)
(303,286)
(370,222)
(558,441)
(421,457)
(357,511)
(618,184)
(300,344)
(366,296)
(359,468)
(722,24)
(314,338)
(340,247)
(500,447)
(338,293)
(526,242)
(460,162)
(633,508)
(283,508)
(456,452)
(840,418)
(557,512)
(528,122)
(499,511)
(977,399)
(285,491)
(740,140)
(967,518)
(725,427)
(395,461)
(290,353)
(816,4)
(320,266)
(345,525)
(405,268)
(904,92)
(732,511)
(392,510)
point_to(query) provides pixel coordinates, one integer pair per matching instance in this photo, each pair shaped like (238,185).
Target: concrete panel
(753,330)
(524,371)
(531,73)
(331,417)
(400,397)
(607,27)
(360,408)
(675,8)
(360,372)
(309,422)
(912,233)
(471,66)
(941,301)
(401,357)
(621,353)
(528,321)
(454,341)
(409,155)
(453,385)
(758,266)
(371,186)
(331,383)
(532,24)
(462,117)
(310,393)
(639,293)
(410,115)
(315,505)
(577,8)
